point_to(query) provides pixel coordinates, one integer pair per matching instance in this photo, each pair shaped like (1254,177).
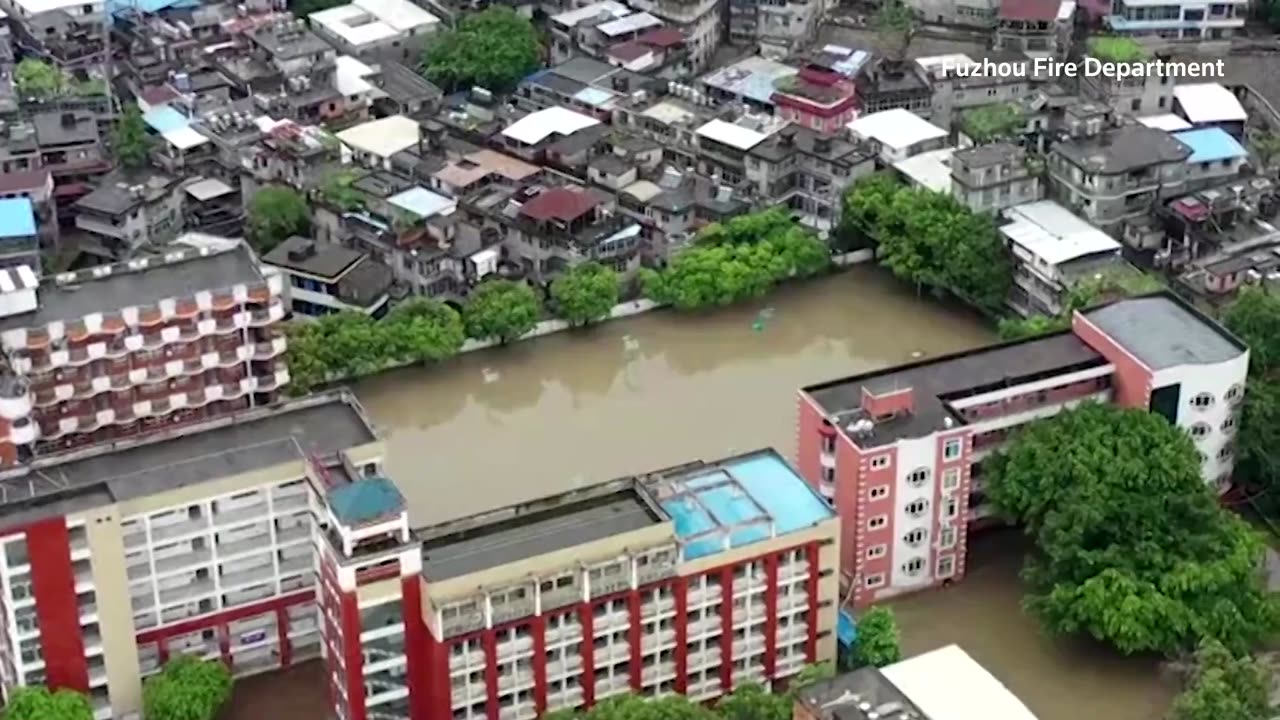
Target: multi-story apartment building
(130,211)
(328,278)
(118,557)
(691,580)
(69,32)
(1137,96)
(806,172)
(120,350)
(898,452)
(376,30)
(1052,251)
(778,27)
(993,177)
(1118,174)
(1169,24)
(700,21)
(1042,27)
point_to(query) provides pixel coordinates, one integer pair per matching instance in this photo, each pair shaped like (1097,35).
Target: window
(876,551)
(918,477)
(916,508)
(828,475)
(1199,430)
(879,462)
(829,444)
(1202,401)
(913,566)
(1225,453)
(875,581)
(951,479)
(878,492)
(1229,425)
(877,522)
(953,507)
(946,566)
(947,537)
(951,449)
(915,537)
(1234,393)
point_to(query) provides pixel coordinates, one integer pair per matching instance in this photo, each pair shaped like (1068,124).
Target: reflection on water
(1058,679)
(543,416)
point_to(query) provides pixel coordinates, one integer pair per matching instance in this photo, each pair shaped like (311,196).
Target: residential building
(1167,122)
(661,52)
(641,584)
(36,186)
(1136,96)
(573,31)
(1118,174)
(818,99)
(376,30)
(130,211)
(723,146)
(69,32)
(898,134)
(1210,105)
(373,143)
(1176,25)
(324,279)
(774,28)
(953,94)
(885,84)
(555,228)
(750,81)
(1052,251)
(555,136)
(406,91)
(584,85)
(214,207)
(69,146)
(1216,157)
(993,177)
(1040,27)
(114,351)
(942,684)
(289,67)
(19,239)
(807,172)
(121,556)
(675,207)
(700,22)
(899,451)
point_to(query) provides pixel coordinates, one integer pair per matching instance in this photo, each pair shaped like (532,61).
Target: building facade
(648,584)
(898,452)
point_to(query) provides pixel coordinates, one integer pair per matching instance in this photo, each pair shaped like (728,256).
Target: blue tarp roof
(365,501)
(116,7)
(17,218)
(1210,144)
(846,628)
(165,119)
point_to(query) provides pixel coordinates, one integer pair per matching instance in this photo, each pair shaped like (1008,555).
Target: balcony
(184,593)
(199,556)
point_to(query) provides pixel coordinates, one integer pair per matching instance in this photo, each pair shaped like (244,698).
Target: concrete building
(1136,96)
(129,212)
(806,172)
(37,187)
(1052,251)
(701,22)
(1206,105)
(1037,27)
(898,134)
(69,32)
(326,279)
(993,177)
(1177,25)
(898,452)
(376,30)
(1216,157)
(201,542)
(373,143)
(121,350)
(691,579)
(774,28)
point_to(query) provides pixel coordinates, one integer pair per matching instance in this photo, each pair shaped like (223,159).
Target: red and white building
(898,452)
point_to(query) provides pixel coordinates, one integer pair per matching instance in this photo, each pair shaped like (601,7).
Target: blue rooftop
(740,501)
(365,501)
(846,628)
(165,119)
(1210,144)
(17,218)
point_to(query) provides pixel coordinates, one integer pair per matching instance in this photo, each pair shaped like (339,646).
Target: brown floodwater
(542,416)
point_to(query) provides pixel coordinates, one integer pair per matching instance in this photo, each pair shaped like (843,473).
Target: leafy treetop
(502,310)
(188,688)
(879,642)
(1109,48)
(494,49)
(38,79)
(276,213)
(585,294)
(39,703)
(990,123)
(1223,687)
(132,144)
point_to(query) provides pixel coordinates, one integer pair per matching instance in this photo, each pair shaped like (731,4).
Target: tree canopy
(1130,546)
(931,240)
(879,642)
(989,123)
(501,310)
(303,8)
(894,24)
(585,294)
(737,260)
(494,49)
(275,213)
(1223,687)
(39,703)
(132,144)
(188,688)
(351,345)
(1255,318)
(38,79)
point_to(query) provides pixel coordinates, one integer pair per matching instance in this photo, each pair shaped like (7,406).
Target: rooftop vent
(302,252)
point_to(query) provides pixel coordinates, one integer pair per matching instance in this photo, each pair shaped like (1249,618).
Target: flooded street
(499,426)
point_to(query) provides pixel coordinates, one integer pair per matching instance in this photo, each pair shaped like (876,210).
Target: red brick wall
(1132,380)
(809,434)
(890,403)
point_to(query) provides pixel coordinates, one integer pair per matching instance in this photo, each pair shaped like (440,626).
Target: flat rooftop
(321,426)
(961,373)
(525,531)
(71,296)
(1163,332)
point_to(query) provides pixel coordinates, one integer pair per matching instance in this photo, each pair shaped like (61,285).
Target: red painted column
(224,644)
(680,591)
(726,630)
(282,629)
(416,647)
(53,583)
(771,616)
(811,644)
(490,673)
(538,629)
(439,692)
(352,657)
(635,638)
(587,620)
(162,650)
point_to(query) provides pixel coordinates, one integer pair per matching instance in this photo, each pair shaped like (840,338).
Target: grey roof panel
(1162,333)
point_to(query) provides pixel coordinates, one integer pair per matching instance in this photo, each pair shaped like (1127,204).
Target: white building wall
(1213,427)
(913,455)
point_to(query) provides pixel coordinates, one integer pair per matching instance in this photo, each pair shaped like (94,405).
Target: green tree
(1111,48)
(494,49)
(38,79)
(422,330)
(1018,328)
(585,294)
(131,142)
(39,703)
(1266,145)
(1255,318)
(303,8)
(989,123)
(1223,687)
(275,213)
(1130,546)
(894,25)
(750,701)
(338,189)
(866,209)
(632,707)
(188,688)
(811,674)
(501,310)
(879,643)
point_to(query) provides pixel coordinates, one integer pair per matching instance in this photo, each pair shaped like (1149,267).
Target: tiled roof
(1036,10)
(559,204)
